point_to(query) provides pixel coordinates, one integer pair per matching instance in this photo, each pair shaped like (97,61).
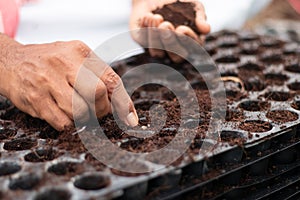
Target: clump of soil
(179,13)
(282,116)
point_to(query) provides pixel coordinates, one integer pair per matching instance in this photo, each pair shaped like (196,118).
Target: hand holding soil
(61,81)
(185,17)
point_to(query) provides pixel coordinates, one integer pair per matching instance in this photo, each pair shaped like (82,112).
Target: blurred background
(94,21)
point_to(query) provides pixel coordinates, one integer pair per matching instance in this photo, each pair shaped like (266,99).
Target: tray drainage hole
(282,116)
(7,133)
(41,155)
(278,96)
(294,86)
(233,137)
(228,59)
(92,182)
(64,168)
(24,182)
(20,144)
(257,126)
(7,168)
(254,105)
(51,194)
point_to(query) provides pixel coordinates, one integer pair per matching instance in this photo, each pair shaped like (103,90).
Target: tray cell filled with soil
(41,155)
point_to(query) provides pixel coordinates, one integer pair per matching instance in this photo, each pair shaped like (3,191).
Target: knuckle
(112,80)
(81,48)
(33,97)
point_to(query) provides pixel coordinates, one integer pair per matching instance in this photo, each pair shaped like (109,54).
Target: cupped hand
(142,17)
(64,81)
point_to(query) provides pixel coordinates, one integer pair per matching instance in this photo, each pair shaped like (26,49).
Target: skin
(48,80)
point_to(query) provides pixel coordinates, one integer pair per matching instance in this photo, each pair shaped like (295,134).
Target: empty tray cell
(135,166)
(254,83)
(24,182)
(251,66)
(270,42)
(248,37)
(7,133)
(282,116)
(251,48)
(257,126)
(230,58)
(228,42)
(53,194)
(272,57)
(278,96)
(292,65)
(233,137)
(291,49)
(276,79)
(20,144)
(254,105)
(294,86)
(7,168)
(92,182)
(64,168)
(41,155)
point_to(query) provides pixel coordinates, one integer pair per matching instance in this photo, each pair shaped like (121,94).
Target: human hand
(142,17)
(62,81)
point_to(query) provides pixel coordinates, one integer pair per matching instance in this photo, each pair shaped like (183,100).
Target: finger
(186,31)
(50,112)
(69,101)
(155,45)
(119,97)
(140,35)
(170,42)
(201,18)
(116,92)
(93,91)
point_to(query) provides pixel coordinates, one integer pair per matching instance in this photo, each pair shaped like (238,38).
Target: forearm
(8,51)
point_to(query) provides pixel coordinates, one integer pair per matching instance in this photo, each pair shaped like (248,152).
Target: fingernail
(132,119)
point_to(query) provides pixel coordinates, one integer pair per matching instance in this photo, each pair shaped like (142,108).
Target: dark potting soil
(179,13)
(282,116)
(255,126)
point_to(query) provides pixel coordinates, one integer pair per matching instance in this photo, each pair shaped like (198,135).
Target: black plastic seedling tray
(260,132)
